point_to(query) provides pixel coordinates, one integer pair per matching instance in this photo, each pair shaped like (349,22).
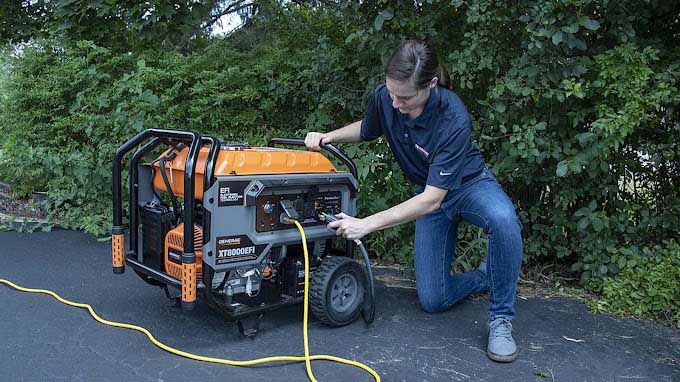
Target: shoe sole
(502,358)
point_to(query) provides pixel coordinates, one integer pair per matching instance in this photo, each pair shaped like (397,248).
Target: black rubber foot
(188,305)
(252,332)
(119,270)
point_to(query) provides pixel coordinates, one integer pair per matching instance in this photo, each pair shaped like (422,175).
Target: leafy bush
(574,106)
(648,287)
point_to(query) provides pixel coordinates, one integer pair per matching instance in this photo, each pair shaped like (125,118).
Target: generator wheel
(336,290)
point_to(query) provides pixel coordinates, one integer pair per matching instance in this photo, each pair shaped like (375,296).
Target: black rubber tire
(332,270)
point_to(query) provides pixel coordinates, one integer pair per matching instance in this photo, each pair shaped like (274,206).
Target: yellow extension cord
(306,358)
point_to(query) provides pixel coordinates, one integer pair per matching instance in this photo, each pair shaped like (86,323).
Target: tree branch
(234,7)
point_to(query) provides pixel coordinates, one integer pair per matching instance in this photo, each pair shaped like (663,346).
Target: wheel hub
(344,292)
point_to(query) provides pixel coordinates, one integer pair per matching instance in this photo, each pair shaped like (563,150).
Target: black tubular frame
(337,152)
(133,183)
(208,181)
(189,174)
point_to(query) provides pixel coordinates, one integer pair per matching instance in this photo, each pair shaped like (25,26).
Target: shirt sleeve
(448,161)
(370,126)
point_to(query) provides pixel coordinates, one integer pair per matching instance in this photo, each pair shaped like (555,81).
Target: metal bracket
(252,332)
(252,191)
(176,299)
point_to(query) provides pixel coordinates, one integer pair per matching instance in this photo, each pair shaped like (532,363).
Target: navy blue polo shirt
(435,148)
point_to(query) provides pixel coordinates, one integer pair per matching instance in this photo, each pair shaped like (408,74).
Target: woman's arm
(348,134)
(422,204)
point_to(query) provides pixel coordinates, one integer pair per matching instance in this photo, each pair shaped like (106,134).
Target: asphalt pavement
(44,340)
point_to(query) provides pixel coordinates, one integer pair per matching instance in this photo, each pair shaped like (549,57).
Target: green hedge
(648,287)
(574,105)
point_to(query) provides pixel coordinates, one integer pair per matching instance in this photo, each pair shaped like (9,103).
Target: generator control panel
(307,204)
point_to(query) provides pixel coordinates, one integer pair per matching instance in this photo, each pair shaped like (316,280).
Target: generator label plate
(237,248)
(174,256)
(231,193)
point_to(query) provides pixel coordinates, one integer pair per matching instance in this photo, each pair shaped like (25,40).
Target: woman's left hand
(350,227)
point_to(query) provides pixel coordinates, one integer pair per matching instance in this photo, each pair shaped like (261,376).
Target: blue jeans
(481,202)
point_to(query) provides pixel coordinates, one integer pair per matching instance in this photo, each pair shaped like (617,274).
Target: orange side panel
(255,161)
(175,240)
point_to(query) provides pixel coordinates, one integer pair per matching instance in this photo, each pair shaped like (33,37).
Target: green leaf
(579,69)
(573,28)
(597,224)
(388,14)
(379,20)
(584,211)
(562,168)
(584,138)
(603,270)
(532,71)
(591,24)
(613,268)
(579,44)
(583,223)
(575,167)
(557,38)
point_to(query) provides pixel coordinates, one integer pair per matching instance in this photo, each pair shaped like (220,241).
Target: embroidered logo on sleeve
(422,151)
(442,173)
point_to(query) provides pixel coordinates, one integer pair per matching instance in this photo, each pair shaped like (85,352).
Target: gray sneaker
(501,346)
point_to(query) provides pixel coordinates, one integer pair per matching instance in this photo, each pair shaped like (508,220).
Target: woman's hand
(350,227)
(312,140)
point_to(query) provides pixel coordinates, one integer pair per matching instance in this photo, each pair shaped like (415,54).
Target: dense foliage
(648,287)
(118,24)
(575,107)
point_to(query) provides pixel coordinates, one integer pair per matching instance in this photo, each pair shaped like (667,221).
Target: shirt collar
(424,118)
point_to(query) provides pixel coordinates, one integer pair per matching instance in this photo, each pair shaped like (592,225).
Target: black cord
(175,146)
(175,204)
(224,281)
(368,310)
(153,173)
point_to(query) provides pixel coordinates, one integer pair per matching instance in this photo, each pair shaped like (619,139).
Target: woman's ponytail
(444,77)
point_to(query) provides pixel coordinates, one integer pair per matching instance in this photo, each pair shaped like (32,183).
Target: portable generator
(215,218)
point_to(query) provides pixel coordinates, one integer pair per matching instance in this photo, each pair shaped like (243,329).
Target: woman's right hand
(312,140)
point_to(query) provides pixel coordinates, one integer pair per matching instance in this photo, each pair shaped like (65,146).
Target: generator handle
(336,151)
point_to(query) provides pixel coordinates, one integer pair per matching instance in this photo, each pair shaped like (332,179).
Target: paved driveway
(43,340)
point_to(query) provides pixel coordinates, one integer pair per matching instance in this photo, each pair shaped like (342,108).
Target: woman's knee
(504,219)
(431,303)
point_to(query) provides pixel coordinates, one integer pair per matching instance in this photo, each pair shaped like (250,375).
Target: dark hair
(417,61)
